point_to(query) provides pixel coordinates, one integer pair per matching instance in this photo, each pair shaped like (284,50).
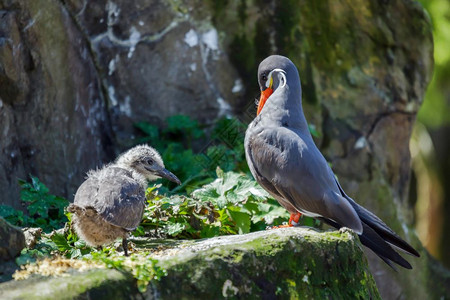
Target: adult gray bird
(110,203)
(285,161)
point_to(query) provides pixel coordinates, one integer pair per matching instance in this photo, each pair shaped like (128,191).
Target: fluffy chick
(110,203)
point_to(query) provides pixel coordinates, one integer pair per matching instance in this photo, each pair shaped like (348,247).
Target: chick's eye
(150,161)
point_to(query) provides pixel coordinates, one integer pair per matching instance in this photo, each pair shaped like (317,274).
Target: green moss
(290,263)
(95,284)
(242,11)
(242,50)
(294,264)
(218,7)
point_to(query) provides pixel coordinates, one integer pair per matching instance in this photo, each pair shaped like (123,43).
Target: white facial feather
(281,77)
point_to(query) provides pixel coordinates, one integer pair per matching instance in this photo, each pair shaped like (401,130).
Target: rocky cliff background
(75,75)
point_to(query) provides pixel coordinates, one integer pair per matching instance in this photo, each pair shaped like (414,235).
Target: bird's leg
(294,219)
(125,246)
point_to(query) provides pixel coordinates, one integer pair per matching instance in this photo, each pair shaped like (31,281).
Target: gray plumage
(110,203)
(284,159)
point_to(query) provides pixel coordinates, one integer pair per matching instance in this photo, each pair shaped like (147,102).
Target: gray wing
(294,169)
(115,195)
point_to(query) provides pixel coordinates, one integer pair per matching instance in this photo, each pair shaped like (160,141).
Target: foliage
(177,141)
(44,209)
(435,110)
(140,265)
(65,243)
(217,197)
(231,204)
(193,216)
(44,248)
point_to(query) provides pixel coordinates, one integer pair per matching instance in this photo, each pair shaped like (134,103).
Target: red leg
(293,221)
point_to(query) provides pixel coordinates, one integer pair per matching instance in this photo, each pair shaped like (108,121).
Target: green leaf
(60,242)
(209,231)
(150,130)
(139,231)
(24,259)
(182,123)
(175,228)
(241,219)
(45,210)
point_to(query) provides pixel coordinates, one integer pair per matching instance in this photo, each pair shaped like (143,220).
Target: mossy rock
(94,284)
(287,263)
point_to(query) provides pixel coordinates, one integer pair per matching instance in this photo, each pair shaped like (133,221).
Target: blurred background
(430,143)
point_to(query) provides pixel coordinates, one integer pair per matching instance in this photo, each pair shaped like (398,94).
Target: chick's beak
(164,173)
(265,95)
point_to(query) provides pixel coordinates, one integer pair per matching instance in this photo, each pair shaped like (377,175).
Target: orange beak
(264,96)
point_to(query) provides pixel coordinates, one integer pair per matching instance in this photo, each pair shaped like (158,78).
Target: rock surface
(53,118)
(75,76)
(95,284)
(12,241)
(32,235)
(287,263)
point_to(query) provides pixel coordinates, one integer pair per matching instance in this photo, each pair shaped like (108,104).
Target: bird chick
(110,203)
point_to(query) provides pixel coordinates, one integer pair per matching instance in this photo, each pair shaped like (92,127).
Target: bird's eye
(264,77)
(150,161)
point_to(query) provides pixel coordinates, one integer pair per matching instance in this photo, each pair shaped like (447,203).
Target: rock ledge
(283,263)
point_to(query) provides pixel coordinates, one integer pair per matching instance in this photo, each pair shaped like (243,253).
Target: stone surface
(12,241)
(75,76)
(32,235)
(95,284)
(53,118)
(288,263)
(284,263)
(157,60)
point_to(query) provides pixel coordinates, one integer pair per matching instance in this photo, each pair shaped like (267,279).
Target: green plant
(225,150)
(44,209)
(45,247)
(232,204)
(217,197)
(177,142)
(140,265)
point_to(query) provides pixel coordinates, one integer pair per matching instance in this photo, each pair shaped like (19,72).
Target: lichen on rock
(281,263)
(285,263)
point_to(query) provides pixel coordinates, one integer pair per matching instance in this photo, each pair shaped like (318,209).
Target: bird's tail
(81,211)
(383,230)
(371,239)
(378,237)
